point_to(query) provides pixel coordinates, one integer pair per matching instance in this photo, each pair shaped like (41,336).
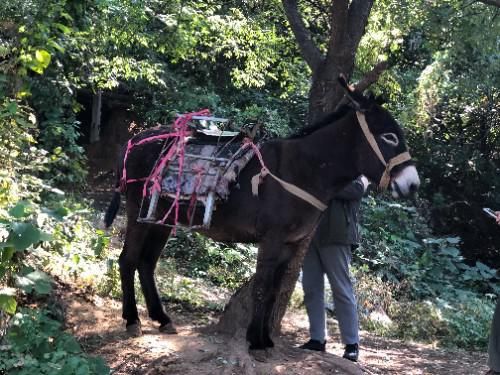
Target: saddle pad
(205,168)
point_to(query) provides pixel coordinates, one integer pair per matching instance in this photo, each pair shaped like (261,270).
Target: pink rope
(178,149)
(248,142)
(123,180)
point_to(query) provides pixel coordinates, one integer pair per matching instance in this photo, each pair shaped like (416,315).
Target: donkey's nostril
(413,188)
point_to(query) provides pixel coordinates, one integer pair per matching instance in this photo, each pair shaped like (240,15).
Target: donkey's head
(383,156)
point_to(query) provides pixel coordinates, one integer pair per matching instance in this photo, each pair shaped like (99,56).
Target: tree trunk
(238,311)
(95,126)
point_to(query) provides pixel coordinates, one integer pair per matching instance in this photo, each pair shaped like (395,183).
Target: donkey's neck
(327,158)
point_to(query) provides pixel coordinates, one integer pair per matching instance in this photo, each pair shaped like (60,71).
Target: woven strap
(398,159)
(295,190)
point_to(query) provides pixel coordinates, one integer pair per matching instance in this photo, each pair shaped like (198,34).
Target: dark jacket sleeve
(352,192)
(340,222)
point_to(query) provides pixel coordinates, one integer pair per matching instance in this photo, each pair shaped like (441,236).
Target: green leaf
(19,210)
(99,366)
(452,251)
(63,28)
(45,237)
(8,303)
(453,240)
(6,252)
(43,57)
(12,108)
(24,235)
(36,281)
(70,344)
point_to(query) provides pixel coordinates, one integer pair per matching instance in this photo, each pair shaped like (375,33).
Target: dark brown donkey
(360,138)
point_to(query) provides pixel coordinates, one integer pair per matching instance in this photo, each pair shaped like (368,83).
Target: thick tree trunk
(238,312)
(325,93)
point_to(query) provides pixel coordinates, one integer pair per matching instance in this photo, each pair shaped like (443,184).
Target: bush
(421,282)
(198,256)
(36,344)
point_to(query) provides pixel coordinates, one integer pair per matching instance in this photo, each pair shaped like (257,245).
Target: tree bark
(238,312)
(95,126)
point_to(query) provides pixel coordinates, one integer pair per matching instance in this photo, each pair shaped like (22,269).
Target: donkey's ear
(356,99)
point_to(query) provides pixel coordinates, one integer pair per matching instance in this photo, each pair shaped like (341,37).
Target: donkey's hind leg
(128,261)
(152,248)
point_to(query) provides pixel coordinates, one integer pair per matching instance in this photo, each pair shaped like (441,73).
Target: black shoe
(351,352)
(314,345)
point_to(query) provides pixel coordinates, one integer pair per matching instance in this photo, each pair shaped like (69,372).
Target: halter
(396,160)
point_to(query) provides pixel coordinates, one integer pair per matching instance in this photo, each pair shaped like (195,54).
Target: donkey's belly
(232,224)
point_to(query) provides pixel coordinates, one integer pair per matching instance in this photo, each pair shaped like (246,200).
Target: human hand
(365,183)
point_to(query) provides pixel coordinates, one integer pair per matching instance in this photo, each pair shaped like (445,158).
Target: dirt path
(96,322)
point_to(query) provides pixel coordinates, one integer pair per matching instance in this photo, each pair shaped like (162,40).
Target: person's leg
(336,260)
(494,344)
(314,294)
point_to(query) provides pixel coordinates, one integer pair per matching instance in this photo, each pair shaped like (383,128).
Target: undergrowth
(412,285)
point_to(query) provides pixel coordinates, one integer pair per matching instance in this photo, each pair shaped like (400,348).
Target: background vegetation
(434,257)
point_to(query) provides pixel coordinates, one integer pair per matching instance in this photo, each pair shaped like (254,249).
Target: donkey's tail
(112,210)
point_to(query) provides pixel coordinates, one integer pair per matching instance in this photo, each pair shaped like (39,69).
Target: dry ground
(97,323)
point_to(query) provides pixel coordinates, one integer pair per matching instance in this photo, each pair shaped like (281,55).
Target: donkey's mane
(324,121)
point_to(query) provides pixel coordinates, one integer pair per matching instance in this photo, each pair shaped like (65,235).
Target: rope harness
(304,195)
(398,159)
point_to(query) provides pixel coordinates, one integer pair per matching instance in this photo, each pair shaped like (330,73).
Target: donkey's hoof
(134,329)
(260,355)
(168,328)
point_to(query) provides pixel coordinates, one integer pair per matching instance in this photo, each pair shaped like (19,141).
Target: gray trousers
(494,344)
(333,261)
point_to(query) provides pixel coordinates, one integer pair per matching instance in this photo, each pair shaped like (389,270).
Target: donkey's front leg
(272,261)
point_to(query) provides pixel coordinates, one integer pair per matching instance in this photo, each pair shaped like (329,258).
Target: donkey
(360,138)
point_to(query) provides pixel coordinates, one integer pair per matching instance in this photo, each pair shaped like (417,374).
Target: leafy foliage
(35,343)
(422,274)
(198,256)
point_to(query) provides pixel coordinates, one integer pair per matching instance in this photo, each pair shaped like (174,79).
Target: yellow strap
(256,180)
(386,176)
(369,136)
(398,159)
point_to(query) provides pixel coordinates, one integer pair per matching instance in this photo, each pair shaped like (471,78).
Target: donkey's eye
(390,138)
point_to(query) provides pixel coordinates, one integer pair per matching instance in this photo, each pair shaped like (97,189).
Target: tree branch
(372,76)
(338,23)
(495,3)
(359,11)
(368,79)
(310,52)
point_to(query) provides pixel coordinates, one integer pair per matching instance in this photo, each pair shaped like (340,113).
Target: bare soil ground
(97,323)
